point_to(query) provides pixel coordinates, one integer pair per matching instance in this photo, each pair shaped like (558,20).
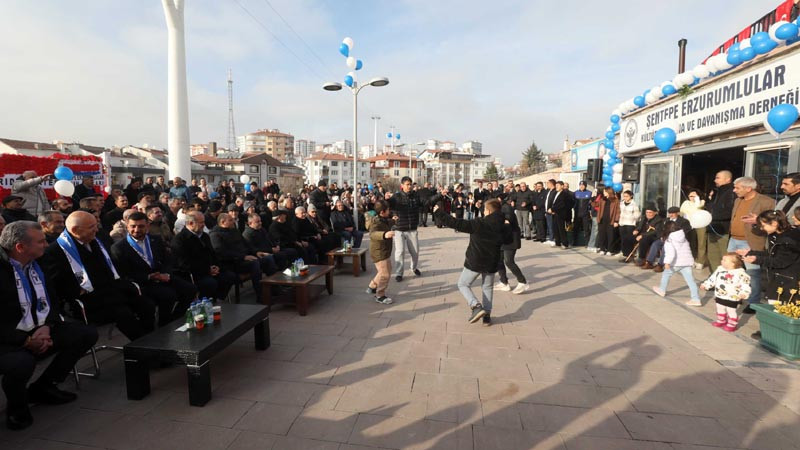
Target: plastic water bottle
(209,311)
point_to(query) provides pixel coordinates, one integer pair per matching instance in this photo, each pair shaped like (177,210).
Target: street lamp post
(375,119)
(355,88)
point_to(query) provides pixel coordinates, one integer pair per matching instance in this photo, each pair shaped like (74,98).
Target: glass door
(658,184)
(768,168)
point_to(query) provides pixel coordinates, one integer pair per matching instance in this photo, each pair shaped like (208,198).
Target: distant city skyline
(502,73)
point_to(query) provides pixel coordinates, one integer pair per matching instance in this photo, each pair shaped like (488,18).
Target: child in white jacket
(731,285)
(677,258)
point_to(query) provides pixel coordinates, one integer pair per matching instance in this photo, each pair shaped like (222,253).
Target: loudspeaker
(594,169)
(630,169)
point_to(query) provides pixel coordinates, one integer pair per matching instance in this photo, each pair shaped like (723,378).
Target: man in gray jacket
(30,189)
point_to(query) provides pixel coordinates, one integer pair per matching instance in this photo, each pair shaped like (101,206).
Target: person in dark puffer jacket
(486,237)
(406,205)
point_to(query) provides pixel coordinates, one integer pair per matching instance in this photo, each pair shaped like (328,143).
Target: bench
(192,348)
(301,284)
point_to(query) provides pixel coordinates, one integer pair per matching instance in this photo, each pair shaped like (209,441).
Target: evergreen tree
(491,173)
(533,160)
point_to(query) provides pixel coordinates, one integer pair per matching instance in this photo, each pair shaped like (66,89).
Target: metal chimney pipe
(681,55)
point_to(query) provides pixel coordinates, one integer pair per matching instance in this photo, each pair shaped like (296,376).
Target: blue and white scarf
(24,277)
(70,248)
(145,253)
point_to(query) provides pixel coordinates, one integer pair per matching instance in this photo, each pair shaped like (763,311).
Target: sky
(503,72)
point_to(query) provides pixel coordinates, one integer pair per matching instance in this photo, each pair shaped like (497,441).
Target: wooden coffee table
(301,284)
(356,253)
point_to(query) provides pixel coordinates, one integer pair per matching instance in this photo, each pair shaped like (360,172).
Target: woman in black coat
(781,259)
(509,253)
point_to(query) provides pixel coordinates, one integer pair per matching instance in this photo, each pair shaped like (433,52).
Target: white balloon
(744,44)
(606,157)
(617,168)
(656,90)
(64,188)
(351,62)
(349,42)
(722,62)
(700,219)
(678,81)
(107,189)
(616,178)
(774,28)
(701,71)
(244,179)
(650,98)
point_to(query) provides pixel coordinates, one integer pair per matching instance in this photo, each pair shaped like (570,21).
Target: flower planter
(779,333)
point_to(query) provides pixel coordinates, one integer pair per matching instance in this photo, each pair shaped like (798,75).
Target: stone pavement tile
(357,330)
(696,403)
(269,418)
(79,427)
(331,342)
(396,432)
(501,415)
(41,444)
(248,440)
(569,420)
(412,363)
(428,383)
(773,430)
(188,436)
(271,391)
(592,335)
(315,355)
(774,379)
(374,377)
(45,416)
(381,401)
(296,443)
(548,372)
(345,358)
(359,447)
(324,425)
(308,327)
(326,397)
(128,432)
(491,389)
(508,370)
(440,337)
(644,380)
(462,326)
(484,340)
(523,329)
(494,354)
(677,428)
(112,396)
(291,371)
(579,396)
(454,408)
(789,399)
(220,411)
(698,447)
(427,349)
(601,443)
(727,381)
(278,352)
(489,438)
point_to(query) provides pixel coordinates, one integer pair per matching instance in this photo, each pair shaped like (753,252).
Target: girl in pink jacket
(677,258)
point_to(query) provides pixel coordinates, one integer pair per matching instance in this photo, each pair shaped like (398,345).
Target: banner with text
(737,102)
(580,156)
(12,166)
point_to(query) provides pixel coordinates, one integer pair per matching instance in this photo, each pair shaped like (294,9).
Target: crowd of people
(138,257)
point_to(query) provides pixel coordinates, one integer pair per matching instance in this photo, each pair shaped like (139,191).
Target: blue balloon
(397,136)
(764,47)
(63,173)
(668,90)
(213,194)
(614,118)
(389,135)
(787,31)
(781,117)
(734,46)
(617,187)
(609,144)
(609,134)
(247,187)
(348,80)
(761,36)
(369,186)
(747,54)
(665,139)
(615,127)
(695,81)
(792,40)
(344,50)
(639,101)
(734,57)
(644,94)
(359,64)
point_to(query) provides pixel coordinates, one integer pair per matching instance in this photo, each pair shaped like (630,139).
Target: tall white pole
(177,97)
(355,153)
(392,128)
(375,119)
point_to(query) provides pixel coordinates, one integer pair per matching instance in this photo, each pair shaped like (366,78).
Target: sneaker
(521,288)
(565,247)
(398,278)
(487,320)
(502,286)
(698,266)
(384,300)
(552,243)
(694,303)
(477,313)
(658,291)
(613,255)
(371,291)
(417,272)
(591,249)
(604,253)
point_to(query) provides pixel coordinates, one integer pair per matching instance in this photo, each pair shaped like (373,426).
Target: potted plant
(780,327)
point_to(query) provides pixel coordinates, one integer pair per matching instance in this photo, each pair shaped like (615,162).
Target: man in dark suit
(259,239)
(538,209)
(648,231)
(31,327)
(561,204)
(81,268)
(115,215)
(235,255)
(143,259)
(282,232)
(194,256)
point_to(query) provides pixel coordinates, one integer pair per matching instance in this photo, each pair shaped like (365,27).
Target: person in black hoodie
(720,205)
(781,258)
(236,255)
(406,205)
(509,252)
(486,236)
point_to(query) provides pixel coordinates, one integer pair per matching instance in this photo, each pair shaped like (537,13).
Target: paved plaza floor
(588,359)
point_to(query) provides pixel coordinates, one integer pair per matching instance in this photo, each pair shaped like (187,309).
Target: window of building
(316,163)
(253,168)
(274,170)
(396,164)
(334,163)
(334,172)
(396,173)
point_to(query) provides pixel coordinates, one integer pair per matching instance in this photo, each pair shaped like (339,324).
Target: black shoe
(756,335)
(49,394)
(372,291)
(417,272)
(487,320)
(398,278)
(19,420)
(748,310)
(477,313)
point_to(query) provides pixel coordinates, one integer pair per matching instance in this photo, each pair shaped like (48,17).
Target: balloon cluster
(396,135)
(64,184)
(354,64)
(612,166)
